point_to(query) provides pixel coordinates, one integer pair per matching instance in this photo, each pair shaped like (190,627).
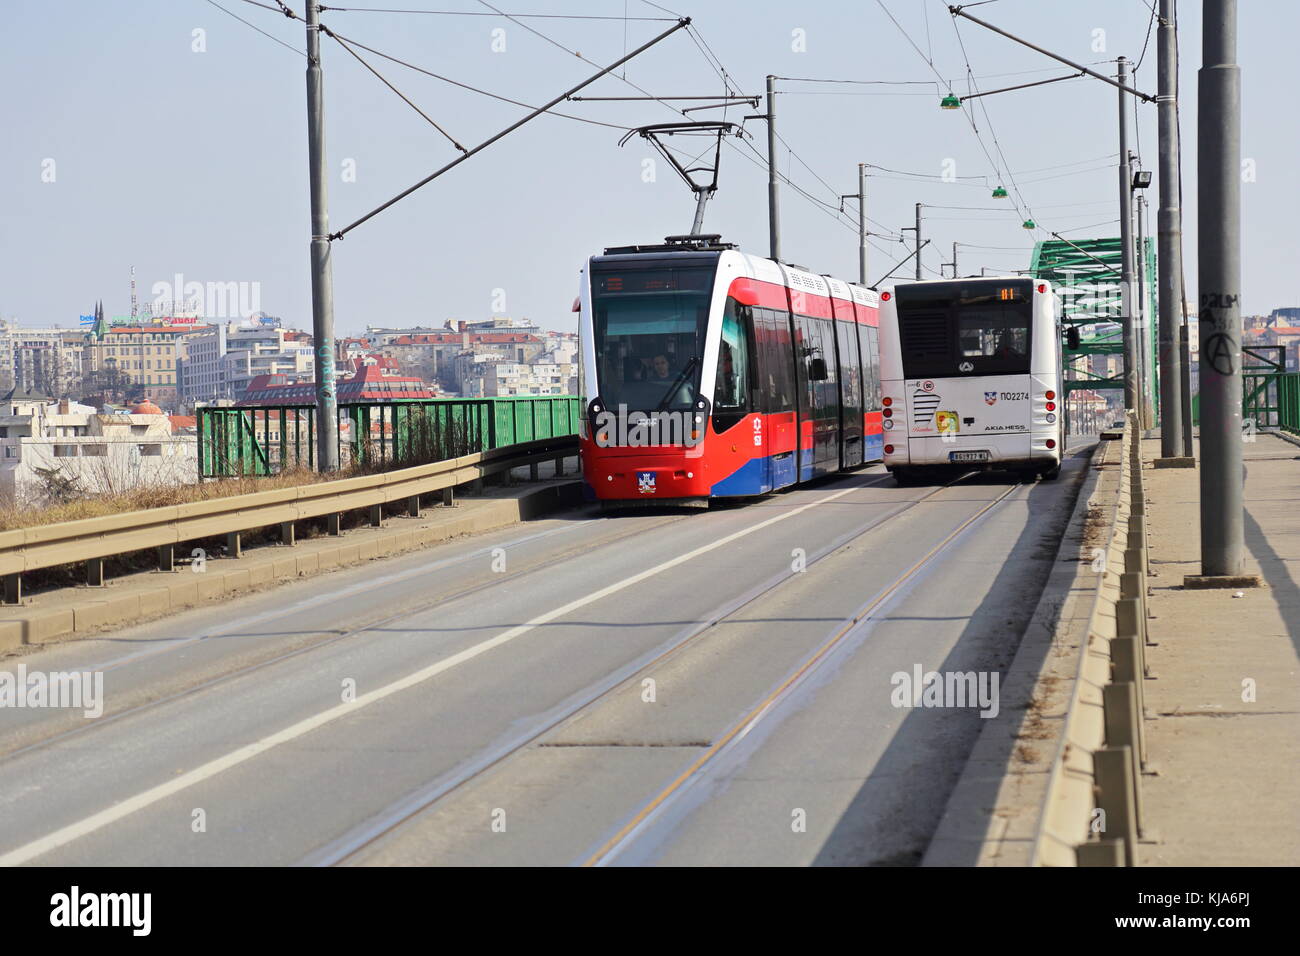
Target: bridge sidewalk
(1225,789)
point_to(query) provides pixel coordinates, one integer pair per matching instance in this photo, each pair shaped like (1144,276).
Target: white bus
(971,373)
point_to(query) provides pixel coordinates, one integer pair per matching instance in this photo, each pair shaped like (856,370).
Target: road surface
(648,688)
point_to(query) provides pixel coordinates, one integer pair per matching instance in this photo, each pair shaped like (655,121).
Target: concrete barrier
(1091,814)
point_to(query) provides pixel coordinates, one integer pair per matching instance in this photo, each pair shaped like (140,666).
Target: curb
(996,810)
(73,613)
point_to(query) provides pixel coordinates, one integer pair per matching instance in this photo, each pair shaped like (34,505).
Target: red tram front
(710,373)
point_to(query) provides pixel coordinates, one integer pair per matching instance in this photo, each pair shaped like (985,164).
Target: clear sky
(184,152)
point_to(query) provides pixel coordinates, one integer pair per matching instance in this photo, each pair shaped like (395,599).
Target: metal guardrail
(237,441)
(1093,809)
(91,540)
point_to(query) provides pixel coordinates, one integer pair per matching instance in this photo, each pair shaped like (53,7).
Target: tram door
(850,375)
(819,401)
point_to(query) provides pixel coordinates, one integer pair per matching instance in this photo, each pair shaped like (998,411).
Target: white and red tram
(711,373)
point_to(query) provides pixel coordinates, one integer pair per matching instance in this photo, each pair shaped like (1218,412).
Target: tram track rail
(350,846)
(344,849)
(547,562)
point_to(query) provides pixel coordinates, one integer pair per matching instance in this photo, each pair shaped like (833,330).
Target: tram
(710,373)
(971,377)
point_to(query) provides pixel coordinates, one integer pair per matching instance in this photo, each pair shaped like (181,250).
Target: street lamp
(950,102)
(1000,193)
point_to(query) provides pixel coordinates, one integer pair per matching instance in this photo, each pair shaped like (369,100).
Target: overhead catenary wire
(474,89)
(1019,200)
(555,43)
(988,120)
(269,36)
(604,71)
(348,42)
(332,35)
(419,69)
(478,13)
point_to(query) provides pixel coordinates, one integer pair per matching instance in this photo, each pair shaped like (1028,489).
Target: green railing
(1288,402)
(267,439)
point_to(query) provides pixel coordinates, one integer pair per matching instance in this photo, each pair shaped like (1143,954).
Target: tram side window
(850,364)
(731,392)
(774,369)
(820,353)
(870,367)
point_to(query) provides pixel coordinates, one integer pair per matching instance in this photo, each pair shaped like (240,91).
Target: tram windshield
(649,326)
(965,328)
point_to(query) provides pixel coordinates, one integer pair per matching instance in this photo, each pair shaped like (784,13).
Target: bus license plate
(968,456)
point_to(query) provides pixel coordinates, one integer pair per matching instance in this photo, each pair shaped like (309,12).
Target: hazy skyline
(169,136)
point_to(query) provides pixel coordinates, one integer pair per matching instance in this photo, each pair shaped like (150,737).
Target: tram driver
(662,374)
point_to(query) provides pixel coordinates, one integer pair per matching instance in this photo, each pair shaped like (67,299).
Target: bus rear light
(886,401)
(885,297)
(889,449)
(1051,443)
(1042,287)
(1051,406)
(1050,395)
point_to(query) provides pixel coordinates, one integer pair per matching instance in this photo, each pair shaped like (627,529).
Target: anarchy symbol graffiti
(1219,349)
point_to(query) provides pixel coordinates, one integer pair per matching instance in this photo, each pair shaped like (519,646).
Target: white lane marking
(118,811)
(291,610)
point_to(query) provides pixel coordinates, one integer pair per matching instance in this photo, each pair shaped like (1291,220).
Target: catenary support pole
(1218,154)
(862,223)
(918,242)
(773,205)
(1131,390)
(322,280)
(1169,241)
(1143,324)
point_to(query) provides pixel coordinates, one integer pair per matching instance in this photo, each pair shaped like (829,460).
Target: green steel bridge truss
(1086,274)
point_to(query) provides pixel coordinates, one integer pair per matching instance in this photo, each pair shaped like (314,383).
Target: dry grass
(157,496)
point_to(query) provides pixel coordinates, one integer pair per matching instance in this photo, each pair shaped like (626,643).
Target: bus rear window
(962,328)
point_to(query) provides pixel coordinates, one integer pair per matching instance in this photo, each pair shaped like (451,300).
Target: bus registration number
(968,456)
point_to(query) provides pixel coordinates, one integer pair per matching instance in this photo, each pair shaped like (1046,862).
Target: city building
(55,450)
(369,383)
(222,361)
(434,355)
(46,360)
(142,359)
(498,379)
